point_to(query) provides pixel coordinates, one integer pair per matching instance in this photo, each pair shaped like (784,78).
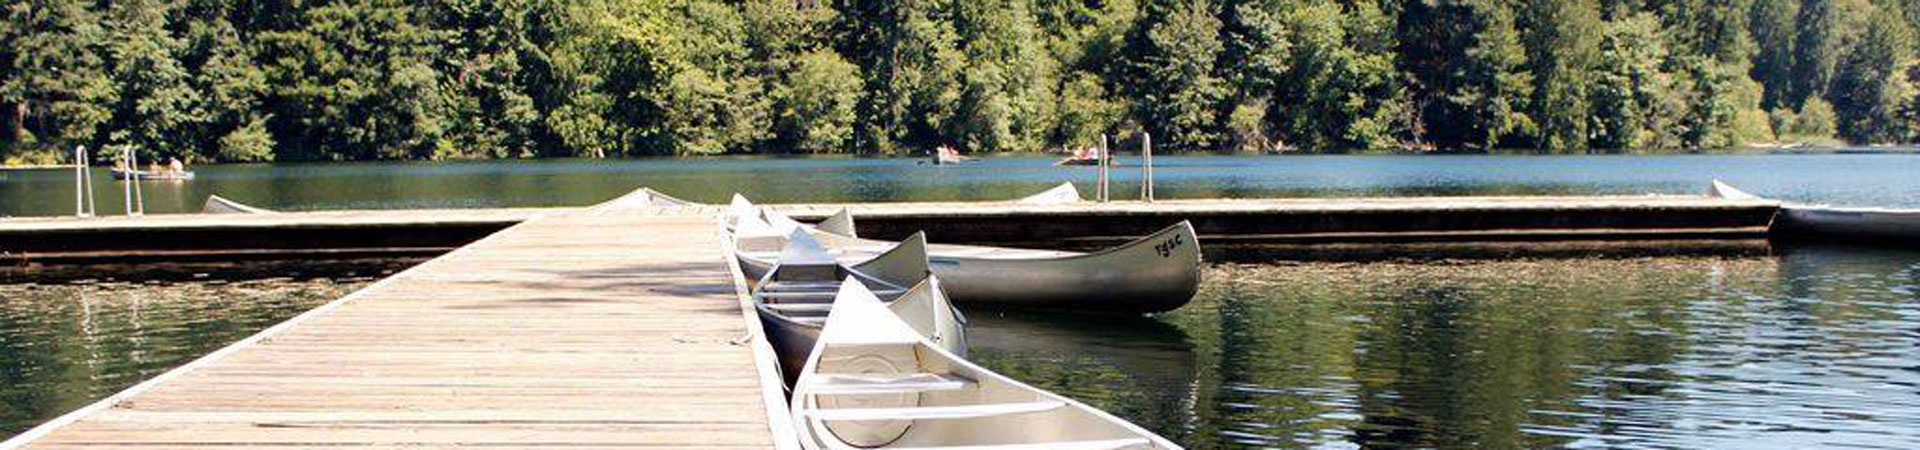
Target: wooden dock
(577,329)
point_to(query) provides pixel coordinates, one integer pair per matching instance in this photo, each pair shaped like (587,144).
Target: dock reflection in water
(1814,347)
(67,343)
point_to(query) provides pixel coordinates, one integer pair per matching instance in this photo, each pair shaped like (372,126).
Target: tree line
(255,80)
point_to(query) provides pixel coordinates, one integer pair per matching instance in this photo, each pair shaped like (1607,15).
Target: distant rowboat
(122,174)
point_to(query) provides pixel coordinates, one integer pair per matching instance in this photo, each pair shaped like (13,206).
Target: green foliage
(392,79)
(1342,90)
(1815,120)
(1774,33)
(1870,86)
(1633,99)
(1496,87)
(249,143)
(1564,51)
(817,104)
(55,81)
(1171,72)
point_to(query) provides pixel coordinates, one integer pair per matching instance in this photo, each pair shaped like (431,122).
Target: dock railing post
(82,187)
(126,188)
(1102,162)
(1146,166)
(133,183)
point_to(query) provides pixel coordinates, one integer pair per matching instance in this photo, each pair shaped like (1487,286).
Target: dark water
(1818,347)
(65,345)
(1854,179)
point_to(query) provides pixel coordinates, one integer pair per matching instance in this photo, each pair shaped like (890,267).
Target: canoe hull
(1157,273)
(923,307)
(874,382)
(791,341)
(1850,224)
(221,205)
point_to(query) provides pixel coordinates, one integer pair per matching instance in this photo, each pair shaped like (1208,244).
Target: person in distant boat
(174,165)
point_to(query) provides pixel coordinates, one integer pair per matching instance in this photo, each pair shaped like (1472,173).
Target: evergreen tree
(1171,58)
(1634,100)
(1496,85)
(1827,29)
(491,109)
(155,105)
(1342,90)
(1774,36)
(1007,85)
(53,80)
(355,80)
(913,63)
(1871,86)
(1563,49)
(818,103)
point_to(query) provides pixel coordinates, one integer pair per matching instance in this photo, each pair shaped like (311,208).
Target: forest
(307,80)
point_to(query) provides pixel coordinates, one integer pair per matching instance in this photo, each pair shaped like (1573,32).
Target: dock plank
(577,329)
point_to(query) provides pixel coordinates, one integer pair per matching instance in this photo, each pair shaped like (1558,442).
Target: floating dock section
(1074,225)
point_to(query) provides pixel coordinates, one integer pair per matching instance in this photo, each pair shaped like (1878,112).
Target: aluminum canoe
(1899,226)
(873,381)
(221,205)
(794,298)
(644,197)
(1156,273)
(1890,225)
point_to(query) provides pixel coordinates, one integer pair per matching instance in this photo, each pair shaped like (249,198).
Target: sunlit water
(1887,180)
(65,345)
(1818,347)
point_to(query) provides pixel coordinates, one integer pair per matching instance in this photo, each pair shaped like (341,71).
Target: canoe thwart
(868,384)
(934,412)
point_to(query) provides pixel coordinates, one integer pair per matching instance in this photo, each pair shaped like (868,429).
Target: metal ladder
(82,183)
(136,201)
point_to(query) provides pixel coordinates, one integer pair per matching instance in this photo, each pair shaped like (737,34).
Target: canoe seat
(815,296)
(935,412)
(799,297)
(786,286)
(793,308)
(1097,444)
(870,384)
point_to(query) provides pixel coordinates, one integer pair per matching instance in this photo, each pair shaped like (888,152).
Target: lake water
(1818,347)
(1866,179)
(1811,347)
(67,343)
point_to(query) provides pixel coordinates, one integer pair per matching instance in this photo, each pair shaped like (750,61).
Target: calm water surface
(1817,347)
(1853,179)
(68,344)
(1813,347)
